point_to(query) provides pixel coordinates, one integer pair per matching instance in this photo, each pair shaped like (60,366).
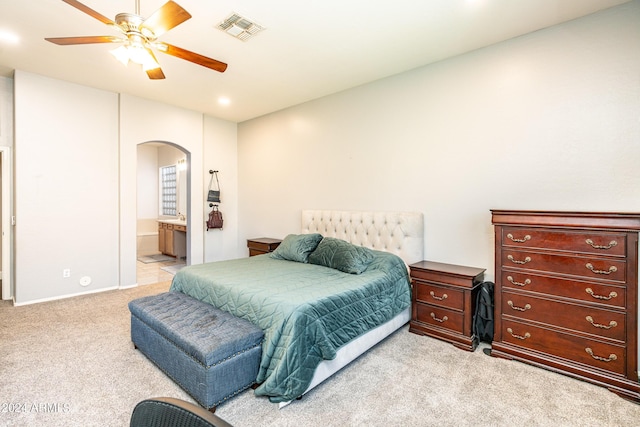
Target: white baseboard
(64,296)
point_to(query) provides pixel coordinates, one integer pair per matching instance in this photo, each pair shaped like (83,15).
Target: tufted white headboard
(401,233)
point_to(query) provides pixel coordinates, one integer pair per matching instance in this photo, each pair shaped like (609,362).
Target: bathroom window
(168,190)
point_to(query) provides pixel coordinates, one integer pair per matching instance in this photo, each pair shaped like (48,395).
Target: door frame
(8,221)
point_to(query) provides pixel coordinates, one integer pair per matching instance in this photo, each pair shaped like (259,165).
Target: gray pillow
(297,247)
(341,255)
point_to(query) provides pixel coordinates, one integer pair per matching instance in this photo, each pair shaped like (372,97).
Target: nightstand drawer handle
(526,282)
(520,337)
(515,307)
(612,324)
(444,319)
(527,237)
(433,295)
(515,261)
(612,294)
(603,359)
(594,246)
(612,269)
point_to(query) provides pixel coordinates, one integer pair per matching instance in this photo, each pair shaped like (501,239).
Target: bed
(324,297)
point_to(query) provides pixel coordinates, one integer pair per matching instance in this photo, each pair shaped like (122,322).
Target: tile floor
(152,272)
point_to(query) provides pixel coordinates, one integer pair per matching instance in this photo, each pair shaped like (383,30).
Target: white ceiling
(309,49)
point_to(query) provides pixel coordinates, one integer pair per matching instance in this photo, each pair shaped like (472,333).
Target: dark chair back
(170,412)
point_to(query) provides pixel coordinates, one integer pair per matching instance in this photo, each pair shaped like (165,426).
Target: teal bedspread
(306,311)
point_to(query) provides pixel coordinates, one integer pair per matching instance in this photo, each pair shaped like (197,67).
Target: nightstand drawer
(439,295)
(262,245)
(440,317)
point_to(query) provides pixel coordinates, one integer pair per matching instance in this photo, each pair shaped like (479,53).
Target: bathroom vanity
(172,237)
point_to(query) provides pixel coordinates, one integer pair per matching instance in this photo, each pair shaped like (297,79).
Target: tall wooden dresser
(566,294)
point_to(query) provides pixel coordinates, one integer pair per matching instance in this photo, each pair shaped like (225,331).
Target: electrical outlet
(66,272)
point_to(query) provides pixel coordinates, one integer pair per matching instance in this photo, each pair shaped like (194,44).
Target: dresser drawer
(587,319)
(439,295)
(593,353)
(593,268)
(576,242)
(600,293)
(441,317)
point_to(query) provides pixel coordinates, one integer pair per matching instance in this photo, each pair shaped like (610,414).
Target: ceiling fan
(139,36)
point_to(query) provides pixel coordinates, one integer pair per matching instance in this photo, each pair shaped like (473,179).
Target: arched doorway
(162,211)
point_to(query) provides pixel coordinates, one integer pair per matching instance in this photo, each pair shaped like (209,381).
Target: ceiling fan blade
(83,40)
(167,17)
(178,52)
(86,9)
(155,74)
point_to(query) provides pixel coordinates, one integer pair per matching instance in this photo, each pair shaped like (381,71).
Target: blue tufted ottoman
(210,353)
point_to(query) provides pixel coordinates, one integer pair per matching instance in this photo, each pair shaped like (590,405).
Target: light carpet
(71,363)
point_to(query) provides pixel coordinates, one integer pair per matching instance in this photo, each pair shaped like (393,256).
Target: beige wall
(546,121)
(66,188)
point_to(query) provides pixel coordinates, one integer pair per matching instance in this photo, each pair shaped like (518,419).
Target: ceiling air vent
(239,27)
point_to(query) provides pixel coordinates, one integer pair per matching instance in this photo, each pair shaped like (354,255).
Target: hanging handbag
(215,218)
(214,195)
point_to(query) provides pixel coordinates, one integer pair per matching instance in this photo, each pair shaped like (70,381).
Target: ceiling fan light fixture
(121,54)
(136,53)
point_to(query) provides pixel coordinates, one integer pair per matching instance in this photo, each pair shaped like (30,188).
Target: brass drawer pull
(433,295)
(594,246)
(520,337)
(526,282)
(612,269)
(612,294)
(515,261)
(612,324)
(527,237)
(444,319)
(525,308)
(603,359)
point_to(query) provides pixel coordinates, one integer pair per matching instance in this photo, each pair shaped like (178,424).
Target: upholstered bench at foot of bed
(210,353)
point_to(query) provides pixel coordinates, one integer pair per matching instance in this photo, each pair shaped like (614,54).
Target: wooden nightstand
(262,245)
(443,302)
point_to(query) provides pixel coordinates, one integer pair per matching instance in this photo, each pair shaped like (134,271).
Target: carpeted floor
(71,363)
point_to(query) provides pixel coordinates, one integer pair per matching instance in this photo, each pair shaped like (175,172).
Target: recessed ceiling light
(223,100)
(9,37)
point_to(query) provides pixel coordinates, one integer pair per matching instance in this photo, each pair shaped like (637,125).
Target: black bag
(215,218)
(483,317)
(214,195)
